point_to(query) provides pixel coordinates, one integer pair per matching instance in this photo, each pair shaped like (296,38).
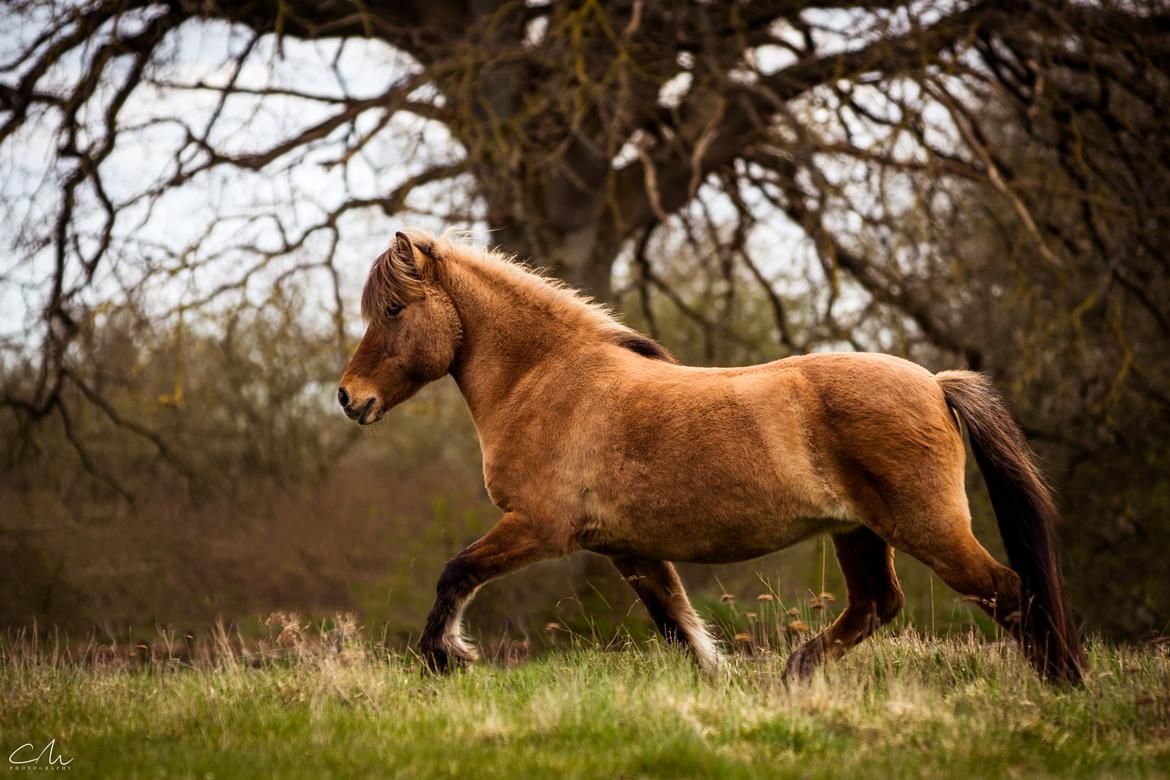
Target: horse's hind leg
(660,589)
(875,598)
(946,544)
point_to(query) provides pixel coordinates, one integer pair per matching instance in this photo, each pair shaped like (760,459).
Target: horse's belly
(708,523)
(688,541)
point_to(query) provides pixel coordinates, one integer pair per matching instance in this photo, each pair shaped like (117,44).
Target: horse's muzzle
(363,413)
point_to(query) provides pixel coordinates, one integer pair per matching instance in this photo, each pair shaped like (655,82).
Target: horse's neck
(506,337)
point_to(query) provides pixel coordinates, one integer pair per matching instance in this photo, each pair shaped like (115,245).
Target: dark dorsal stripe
(644,346)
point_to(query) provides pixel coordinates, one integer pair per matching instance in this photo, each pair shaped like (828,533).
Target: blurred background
(191,193)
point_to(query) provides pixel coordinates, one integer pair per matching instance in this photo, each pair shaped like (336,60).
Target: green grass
(901,705)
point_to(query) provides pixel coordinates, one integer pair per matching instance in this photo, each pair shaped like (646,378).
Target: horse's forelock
(392,280)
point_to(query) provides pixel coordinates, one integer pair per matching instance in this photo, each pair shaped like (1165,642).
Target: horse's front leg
(515,542)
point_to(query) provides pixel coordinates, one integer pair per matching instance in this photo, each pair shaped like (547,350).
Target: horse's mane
(392,280)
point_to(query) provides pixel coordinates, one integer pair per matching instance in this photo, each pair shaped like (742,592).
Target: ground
(902,705)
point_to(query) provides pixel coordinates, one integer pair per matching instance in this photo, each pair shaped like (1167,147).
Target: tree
(580,126)
(192,156)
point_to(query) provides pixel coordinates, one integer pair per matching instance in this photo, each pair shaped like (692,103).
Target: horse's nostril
(342,397)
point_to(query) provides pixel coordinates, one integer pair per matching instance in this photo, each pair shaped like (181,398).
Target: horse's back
(837,437)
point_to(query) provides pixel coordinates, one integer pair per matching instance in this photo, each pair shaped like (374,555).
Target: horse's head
(412,331)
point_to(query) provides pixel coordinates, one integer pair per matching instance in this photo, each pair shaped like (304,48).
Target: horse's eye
(394,309)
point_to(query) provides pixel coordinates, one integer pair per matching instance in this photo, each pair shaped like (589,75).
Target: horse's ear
(415,258)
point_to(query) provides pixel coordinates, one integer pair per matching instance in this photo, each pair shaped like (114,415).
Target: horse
(595,438)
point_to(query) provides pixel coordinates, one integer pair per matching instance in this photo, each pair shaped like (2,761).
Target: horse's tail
(1026,513)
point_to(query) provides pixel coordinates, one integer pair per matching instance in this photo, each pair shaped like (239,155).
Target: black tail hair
(1026,514)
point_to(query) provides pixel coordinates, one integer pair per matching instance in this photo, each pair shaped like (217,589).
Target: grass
(336,706)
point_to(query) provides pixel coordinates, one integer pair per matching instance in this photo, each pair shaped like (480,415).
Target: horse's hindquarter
(700,465)
(890,440)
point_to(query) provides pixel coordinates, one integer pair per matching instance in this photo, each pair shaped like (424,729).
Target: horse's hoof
(441,659)
(803,662)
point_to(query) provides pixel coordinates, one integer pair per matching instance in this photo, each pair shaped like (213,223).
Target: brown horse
(594,438)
